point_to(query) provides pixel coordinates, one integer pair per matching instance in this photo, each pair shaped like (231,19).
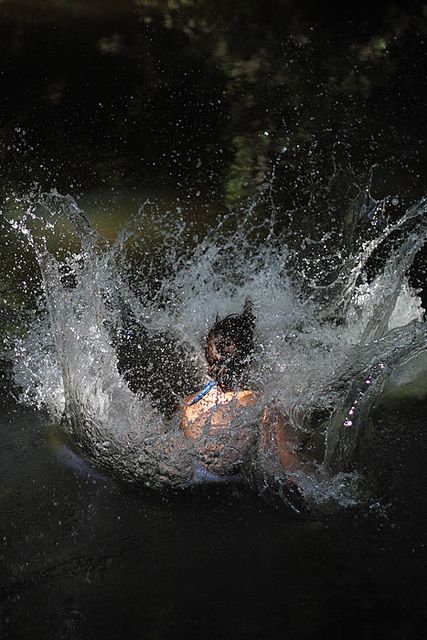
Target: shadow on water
(84,556)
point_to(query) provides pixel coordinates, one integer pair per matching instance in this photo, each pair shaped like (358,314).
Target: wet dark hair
(229,348)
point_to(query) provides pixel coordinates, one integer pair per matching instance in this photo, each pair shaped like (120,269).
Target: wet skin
(216,411)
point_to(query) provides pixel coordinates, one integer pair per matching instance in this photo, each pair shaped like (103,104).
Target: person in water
(229,351)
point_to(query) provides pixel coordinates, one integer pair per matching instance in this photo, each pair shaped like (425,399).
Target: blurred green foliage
(295,72)
(190,95)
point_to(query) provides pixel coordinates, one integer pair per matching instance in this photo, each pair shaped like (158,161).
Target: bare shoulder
(247,397)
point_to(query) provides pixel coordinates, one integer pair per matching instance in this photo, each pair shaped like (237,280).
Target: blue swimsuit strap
(203,392)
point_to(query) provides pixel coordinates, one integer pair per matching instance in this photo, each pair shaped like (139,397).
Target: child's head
(229,348)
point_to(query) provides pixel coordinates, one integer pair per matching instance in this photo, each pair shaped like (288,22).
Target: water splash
(116,341)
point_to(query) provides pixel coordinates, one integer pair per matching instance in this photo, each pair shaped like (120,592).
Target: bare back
(216,410)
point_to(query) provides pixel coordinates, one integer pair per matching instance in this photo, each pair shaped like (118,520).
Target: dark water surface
(83,556)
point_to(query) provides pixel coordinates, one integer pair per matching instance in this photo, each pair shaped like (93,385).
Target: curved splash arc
(361,386)
(382,349)
(124,431)
(335,300)
(382,345)
(119,430)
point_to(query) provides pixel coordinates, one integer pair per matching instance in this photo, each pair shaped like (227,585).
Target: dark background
(178,96)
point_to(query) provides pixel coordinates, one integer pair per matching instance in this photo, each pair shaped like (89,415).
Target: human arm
(278,437)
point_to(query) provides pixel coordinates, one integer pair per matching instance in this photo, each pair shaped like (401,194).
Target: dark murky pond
(84,556)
